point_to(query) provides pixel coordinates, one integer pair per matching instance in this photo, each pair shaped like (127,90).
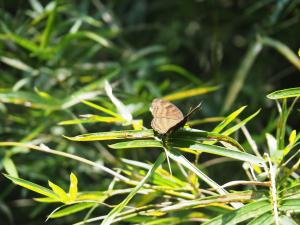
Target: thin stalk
(282,49)
(241,74)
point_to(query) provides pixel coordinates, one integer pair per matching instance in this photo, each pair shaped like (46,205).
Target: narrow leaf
(228,119)
(10,167)
(33,187)
(137,144)
(126,134)
(68,210)
(190,93)
(113,213)
(63,197)
(73,187)
(249,211)
(217,150)
(285,93)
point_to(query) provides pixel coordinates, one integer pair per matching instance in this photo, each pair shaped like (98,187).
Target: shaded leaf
(137,144)
(126,134)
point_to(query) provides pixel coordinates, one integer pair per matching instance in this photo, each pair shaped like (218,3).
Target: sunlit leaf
(102,109)
(137,144)
(249,211)
(285,93)
(33,187)
(63,197)
(92,119)
(68,210)
(217,150)
(190,93)
(114,135)
(73,189)
(228,119)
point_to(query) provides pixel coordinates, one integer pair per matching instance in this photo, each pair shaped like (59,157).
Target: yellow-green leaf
(114,135)
(72,209)
(63,197)
(190,93)
(73,187)
(137,144)
(292,137)
(10,166)
(33,187)
(285,93)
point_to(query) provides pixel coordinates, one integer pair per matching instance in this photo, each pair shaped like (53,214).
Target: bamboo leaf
(63,197)
(240,124)
(190,93)
(249,211)
(10,167)
(181,71)
(217,150)
(126,134)
(113,213)
(228,119)
(285,93)
(73,187)
(92,119)
(137,144)
(290,205)
(71,209)
(183,161)
(30,100)
(264,219)
(102,109)
(33,187)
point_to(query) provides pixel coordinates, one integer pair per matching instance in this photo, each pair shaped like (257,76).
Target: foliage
(75,89)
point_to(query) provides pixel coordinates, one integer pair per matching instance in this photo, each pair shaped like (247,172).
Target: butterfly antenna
(194,109)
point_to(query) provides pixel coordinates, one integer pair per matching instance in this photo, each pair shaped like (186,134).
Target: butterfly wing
(165,115)
(163,125)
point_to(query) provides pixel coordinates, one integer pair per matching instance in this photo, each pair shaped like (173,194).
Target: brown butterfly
(167,117)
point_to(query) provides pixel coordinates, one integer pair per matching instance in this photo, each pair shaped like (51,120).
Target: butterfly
(167,117)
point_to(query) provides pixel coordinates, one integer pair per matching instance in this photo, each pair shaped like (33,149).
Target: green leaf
(181,71)
(18,64)
(228,119)
(33,187)
(113,213)
(68,210)
(73,187)
(30,100)
(63,197)
(92,119)
(240,124)
(194,134)
(97,38)
(287,220)
(290,205)
(183,161)
(264,219)
(113,135)
(217,150)
(102,109)
(249,211)
(285,93)
(91,90)
(190,93)
(137,144)
(10,167)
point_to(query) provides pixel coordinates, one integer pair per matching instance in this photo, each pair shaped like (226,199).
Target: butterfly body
(167,117)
